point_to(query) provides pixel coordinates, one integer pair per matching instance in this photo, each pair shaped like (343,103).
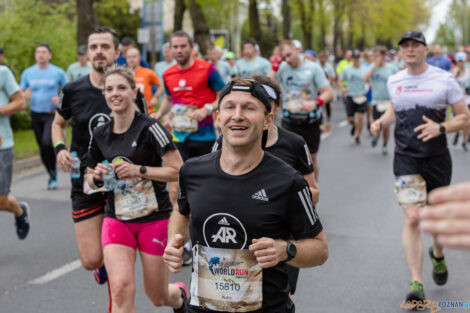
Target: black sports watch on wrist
(143,170)
(291,251)
(442,128)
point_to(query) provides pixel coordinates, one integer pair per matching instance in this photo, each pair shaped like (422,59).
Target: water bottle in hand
(109,179)
(75,171)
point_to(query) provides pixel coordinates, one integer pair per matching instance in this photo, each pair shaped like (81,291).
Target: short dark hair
(104,30)
(265,80)
(180,33)
(249,42)
(127,41)
(45,45)
(381,49)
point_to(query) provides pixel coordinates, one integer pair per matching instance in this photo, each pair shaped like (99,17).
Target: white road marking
(343,123)
(55,273)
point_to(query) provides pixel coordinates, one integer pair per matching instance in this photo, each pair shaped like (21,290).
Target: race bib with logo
(359,100)
(181,122)
(134,198)
(411,190)
(382,105)
(295,100)
(229,280)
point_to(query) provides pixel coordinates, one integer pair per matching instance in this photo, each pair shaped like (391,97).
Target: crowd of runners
(211,161)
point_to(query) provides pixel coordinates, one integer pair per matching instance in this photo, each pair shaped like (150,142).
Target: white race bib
(134,198)
(382,105)
(226,280)
(181,122)
(411,190)
(359,100)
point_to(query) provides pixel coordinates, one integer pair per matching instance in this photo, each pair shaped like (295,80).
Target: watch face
(291,249)
(143,170)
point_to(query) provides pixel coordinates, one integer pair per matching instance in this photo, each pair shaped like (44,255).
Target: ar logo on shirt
(96,121)
(222,230)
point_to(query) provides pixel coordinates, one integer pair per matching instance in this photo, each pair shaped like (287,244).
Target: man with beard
(191,87)
(83,102)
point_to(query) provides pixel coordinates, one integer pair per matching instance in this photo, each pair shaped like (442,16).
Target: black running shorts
(87,206)
(436,171)
(352,108)
(310,133)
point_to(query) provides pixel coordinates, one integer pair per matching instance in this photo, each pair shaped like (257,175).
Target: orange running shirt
(144,80)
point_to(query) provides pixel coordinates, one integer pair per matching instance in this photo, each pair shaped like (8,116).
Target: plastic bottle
(75,171)
(109,179)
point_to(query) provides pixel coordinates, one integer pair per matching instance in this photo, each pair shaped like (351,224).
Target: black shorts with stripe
(87,206)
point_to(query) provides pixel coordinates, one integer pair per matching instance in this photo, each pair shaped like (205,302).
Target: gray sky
(439,14)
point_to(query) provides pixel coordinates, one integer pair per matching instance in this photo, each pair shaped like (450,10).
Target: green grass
(26,146)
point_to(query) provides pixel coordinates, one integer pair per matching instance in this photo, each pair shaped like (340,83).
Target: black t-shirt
(144,143)
(289,147)
(86,106)
(273,200)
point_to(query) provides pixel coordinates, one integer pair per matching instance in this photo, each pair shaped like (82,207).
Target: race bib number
(411,190)
(134,198)
(359,100)
(226,280)
(181,122)
(382,105)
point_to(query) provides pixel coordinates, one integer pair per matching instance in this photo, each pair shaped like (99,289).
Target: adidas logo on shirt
(223,221)
(134,144)
(260,195)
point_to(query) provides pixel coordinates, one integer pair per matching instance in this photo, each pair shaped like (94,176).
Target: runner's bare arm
(326,93)
(387,119)
(64,158)
(178,227)
(16,104)
(168,173)
(369,74)
(165,107)
(310,252)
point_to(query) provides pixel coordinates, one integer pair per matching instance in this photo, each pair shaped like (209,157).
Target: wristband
(59,143)
(319,101)
(59,147)
(98,183)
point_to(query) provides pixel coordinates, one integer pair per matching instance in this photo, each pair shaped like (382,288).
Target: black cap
(127,41)
(81,49)
(413,35)
(356,54)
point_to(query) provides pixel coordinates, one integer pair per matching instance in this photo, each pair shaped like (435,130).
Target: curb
(26,164)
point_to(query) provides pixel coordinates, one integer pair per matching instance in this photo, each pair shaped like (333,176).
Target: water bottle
(109,179)
(75,171)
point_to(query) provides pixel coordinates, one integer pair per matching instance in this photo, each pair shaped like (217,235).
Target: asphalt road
(366,270)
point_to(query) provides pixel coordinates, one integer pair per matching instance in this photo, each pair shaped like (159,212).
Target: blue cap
(311,52)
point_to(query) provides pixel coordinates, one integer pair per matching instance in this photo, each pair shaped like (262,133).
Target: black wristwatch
(291,250)
(143,170)
(442,128)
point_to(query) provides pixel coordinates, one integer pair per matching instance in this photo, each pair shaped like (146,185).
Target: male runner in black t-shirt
(83,102)
(243,205)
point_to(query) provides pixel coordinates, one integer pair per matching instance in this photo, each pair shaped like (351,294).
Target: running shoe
(22,222)
(374,142)
(384,150)
(54,183)
(328,127)
(187,257)
(439,271)
(184,295)
(456,139)
(464,146)
(357,140)
(416,292)
(352,130)
(100,275)
(321,127)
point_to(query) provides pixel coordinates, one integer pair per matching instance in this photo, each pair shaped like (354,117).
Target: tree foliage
(117,14)
(455,30)
(27,23)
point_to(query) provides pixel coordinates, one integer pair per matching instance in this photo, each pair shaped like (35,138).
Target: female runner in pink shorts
(136,216)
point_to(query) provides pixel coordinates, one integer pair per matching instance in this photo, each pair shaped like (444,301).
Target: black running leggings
(42,124)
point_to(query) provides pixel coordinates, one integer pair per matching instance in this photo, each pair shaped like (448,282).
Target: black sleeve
(304,160)
(303,221)
(183,204)
(141,102)
(161,138)
(64,104)
(94,153)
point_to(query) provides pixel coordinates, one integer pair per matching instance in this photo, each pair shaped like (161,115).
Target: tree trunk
(180,7)
(201,29)
(286,20)
(338,8)
(322,25)
(86,20)
(255,28)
